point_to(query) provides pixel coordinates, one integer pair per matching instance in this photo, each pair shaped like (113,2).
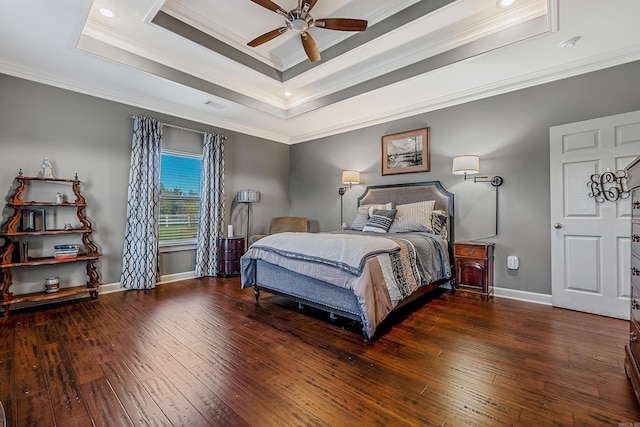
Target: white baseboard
(522,295)
(498,292)
(111,287)
(116,287)
(178,276)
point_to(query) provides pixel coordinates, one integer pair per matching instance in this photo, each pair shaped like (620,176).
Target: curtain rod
(183,128)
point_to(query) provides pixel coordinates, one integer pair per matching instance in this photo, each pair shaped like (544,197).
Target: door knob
(557,225)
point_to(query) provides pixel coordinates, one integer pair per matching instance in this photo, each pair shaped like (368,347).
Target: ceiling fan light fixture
(299,25)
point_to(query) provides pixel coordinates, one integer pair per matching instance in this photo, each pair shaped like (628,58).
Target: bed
(362,274)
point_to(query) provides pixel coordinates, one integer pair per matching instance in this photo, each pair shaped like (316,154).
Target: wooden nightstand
(230,249)
(473,268)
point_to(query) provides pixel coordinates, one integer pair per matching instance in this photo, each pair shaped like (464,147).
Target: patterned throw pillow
(385,206)
(362,216)
(413,217)
(364,213)
(380,221)
(439,223)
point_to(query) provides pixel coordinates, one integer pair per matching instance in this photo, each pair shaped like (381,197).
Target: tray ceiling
(189,58)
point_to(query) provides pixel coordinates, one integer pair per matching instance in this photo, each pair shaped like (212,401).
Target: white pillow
(413,217)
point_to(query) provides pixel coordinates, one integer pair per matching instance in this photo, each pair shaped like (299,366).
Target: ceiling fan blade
(268,4)
(342,24)
(310,47)
(267,36)
(307,5)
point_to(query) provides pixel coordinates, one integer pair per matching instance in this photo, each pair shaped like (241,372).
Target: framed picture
(33,220)
(405,152)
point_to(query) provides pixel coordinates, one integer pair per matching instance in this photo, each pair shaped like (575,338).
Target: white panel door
(590,243)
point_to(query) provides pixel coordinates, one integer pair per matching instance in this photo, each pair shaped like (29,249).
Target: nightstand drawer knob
(633,337)
(557,225)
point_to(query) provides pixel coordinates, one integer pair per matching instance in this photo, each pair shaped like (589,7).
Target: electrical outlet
(513,262)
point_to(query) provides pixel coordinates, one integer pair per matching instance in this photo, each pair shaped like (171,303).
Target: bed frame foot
(366,337)
(256,293)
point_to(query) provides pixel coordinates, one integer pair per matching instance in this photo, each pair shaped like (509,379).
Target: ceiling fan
(299,20)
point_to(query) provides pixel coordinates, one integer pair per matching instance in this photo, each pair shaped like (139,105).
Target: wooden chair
(282,224)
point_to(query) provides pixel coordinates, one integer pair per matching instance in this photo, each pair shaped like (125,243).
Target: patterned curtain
(211,205)
(140,267)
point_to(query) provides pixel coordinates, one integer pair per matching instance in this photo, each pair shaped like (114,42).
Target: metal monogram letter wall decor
(609,186)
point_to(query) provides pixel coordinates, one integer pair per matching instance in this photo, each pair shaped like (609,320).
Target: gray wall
(509,132)
(92,137)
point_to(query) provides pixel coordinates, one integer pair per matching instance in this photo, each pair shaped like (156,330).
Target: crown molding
(585,65)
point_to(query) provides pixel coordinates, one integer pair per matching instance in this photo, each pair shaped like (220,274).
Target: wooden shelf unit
(11,233)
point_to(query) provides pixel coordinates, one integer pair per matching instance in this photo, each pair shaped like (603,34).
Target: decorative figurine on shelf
(47,169)
(59,198)
(68,226)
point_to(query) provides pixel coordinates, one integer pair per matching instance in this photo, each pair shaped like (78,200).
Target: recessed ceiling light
(287,93)
(505,3)
(107,12)
(569,42)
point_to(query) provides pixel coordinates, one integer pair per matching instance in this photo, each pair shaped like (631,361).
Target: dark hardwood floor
(201,352)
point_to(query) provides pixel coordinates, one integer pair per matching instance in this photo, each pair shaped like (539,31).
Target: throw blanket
(380,270)
(347,253)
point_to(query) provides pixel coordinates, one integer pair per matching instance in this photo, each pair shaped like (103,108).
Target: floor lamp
(348,177)
(248,197)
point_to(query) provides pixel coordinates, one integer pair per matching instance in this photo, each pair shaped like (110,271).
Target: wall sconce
(348,177)
(470,165)
(248,197)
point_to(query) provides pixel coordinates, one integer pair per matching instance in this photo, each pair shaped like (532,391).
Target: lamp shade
(466,165)
(350,177)
(248,196)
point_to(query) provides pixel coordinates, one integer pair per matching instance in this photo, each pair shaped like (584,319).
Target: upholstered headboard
(411,193)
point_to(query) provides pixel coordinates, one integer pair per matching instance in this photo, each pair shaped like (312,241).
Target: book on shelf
(67,251)
(20,252)
(34,220)
(73,246)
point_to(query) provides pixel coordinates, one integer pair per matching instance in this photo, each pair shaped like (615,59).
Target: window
(179,197)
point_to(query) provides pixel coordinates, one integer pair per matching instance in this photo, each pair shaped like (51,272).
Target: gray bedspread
(380,269)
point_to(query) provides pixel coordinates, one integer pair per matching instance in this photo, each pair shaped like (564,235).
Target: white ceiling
(189,58)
